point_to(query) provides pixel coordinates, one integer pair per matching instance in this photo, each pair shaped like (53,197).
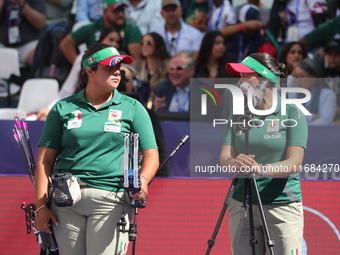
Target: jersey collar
(116,99)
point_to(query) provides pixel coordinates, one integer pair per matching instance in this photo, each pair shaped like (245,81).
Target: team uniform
(281,197)
(89,34)
(90,144)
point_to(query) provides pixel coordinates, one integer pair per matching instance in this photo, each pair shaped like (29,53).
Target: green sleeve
(296,135)
(324,32)
(82,35)
(229,136)
(52,131)
(131,34)
(142,125)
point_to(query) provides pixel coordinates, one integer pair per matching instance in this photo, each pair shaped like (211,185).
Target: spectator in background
(277,24)
(245,38)
(20,26)
(114,16)
(210,65)
(173,94)
(322,105)
(221,14)
(132,77)
(291,20)
(292,53)
(212,59)
(154,63)
(109,36)
(197,14)
(58,10)
(333,8)
(323,34)
(303,16)
(145,13)
(178,36)
(89,10)
(332,72)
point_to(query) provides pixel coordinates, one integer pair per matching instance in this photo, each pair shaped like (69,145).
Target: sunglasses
(172,44)
(147,43)
(179,68)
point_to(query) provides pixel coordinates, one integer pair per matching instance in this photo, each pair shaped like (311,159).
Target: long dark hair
(270,62)
(90,50)
(286,49)
(108,30)
(160,47)
(204,53)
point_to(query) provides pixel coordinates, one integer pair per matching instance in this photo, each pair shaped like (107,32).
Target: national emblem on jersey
(115,114)
(274,125)
(74,120)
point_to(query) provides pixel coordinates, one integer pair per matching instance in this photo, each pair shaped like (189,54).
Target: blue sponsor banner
(322,157)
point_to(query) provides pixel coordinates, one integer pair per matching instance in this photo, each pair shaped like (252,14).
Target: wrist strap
(35,212)
(239,27)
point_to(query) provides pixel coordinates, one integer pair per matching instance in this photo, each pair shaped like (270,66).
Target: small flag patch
(294,252)
(91,60)
(123,246)
(76,115)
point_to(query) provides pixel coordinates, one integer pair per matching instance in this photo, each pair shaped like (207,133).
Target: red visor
(236,68)
(114,60)
(115,6)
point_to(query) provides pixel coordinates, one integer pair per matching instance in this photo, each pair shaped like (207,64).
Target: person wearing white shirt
(178,36)
(89,10)
(322,104)
(303,16)
(145,13)
(221,14)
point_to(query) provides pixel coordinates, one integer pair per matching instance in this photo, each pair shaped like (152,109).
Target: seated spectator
(58,11)
(89,10)
(277,24)
(197,14)
(154,63)
(333,8)
(245,38)
(292,19)
(323,34)
(292,53)
(332,72)
(133,84)
(178,36)
(303,16)
(114,16)
(132,77)
(322,105)
(221,14)
(145,13)
(212,59)
(109,36)
(20,26)
(172,95)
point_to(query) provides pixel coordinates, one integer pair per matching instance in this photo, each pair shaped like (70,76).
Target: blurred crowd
(172,41)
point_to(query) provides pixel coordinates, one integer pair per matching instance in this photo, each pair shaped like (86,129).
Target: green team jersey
(90,141)
(324,33)
(269,144)
(90,34)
